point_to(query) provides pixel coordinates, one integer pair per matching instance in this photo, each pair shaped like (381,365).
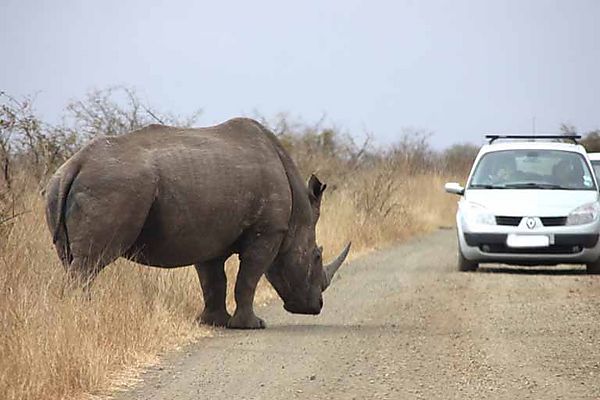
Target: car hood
(526,202)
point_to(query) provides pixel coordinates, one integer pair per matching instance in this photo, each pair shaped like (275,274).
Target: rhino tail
(57,193)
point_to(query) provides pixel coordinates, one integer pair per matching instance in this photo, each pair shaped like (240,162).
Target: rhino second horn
(331,269)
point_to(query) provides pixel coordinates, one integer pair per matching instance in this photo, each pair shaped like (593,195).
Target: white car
(595,159)
(529,201)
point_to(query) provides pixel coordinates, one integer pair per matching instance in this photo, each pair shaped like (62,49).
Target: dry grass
(57,345)
(420,206)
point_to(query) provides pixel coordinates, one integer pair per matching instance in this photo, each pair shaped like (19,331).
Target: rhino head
(298,274)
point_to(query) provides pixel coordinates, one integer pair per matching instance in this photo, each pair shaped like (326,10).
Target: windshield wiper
(486,186)
(536,185)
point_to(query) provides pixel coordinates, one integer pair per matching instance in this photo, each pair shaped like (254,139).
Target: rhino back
(213,187)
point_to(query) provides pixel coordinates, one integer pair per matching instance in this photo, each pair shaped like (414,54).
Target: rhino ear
(315,190)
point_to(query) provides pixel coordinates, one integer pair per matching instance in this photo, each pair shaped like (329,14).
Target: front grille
(508,221)
(515,221)
(554,221)
(553,249)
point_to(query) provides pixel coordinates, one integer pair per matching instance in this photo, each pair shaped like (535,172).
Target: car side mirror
(454,188)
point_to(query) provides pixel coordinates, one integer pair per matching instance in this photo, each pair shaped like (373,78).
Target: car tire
(465,265)
(593,268)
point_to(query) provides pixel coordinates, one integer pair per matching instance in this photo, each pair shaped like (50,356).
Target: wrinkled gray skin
(170,197)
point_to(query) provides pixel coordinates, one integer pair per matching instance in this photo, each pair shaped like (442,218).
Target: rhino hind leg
(97,232)
(254,261)
(214,290)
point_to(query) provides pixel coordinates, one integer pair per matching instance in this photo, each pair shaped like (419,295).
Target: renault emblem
(530,222)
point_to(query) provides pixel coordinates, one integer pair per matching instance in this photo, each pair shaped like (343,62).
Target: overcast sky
(456,68)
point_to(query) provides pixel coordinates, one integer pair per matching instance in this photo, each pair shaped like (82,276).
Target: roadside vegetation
(54,344)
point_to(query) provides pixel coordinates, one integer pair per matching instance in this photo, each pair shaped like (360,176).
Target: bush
(35,148)
(458,159)
(591,141)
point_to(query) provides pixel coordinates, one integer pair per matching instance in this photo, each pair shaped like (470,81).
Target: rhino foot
(214,318)
(246,321)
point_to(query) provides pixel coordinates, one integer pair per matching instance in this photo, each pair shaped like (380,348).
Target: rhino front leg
(214,289)
(254,261)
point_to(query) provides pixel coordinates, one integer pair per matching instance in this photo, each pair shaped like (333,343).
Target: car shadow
(516,270)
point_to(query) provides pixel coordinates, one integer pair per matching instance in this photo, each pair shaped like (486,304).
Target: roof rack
(573,138)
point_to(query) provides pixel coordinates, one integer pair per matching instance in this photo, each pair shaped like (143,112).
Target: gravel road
(402,324)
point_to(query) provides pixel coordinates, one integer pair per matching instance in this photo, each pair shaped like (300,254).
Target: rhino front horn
(331,269)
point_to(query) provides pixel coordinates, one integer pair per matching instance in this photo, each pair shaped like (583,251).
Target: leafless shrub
(30,146)
(7,208)
(284,125)
(412,154)
(15,116)
(320,148)
(591,141)
(375,193)
(458,159)
(115,111)
(10,209)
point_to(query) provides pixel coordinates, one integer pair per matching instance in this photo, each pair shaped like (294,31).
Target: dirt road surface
(402,324)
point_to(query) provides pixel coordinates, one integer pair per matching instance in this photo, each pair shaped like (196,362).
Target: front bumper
(568,244)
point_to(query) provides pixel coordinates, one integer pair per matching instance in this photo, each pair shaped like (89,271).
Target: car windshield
(532,169)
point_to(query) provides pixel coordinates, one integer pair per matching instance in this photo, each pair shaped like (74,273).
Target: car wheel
(593,268)
(465,265)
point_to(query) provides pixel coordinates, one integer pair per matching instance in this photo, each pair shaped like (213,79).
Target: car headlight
(476,214)
(585,214)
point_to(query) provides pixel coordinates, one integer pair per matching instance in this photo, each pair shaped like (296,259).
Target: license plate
(527,240)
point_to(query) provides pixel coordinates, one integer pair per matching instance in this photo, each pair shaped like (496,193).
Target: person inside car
(568,173)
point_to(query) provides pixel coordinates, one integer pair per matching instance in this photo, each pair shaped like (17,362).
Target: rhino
(168,197)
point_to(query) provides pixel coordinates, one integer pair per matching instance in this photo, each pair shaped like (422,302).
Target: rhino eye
(318,255)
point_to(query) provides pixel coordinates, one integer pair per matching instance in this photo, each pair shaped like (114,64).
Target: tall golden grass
(57,345)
